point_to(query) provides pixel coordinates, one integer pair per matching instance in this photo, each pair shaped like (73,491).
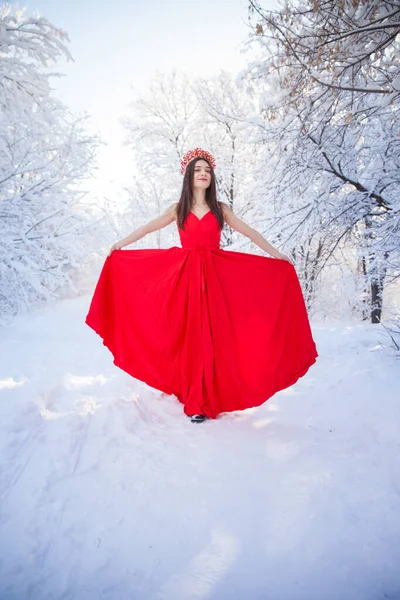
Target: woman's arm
(256,237)
(163,220)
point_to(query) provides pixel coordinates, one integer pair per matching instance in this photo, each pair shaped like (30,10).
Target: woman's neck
(199,197)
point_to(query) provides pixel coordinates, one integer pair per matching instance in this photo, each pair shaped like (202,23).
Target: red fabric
(221,330)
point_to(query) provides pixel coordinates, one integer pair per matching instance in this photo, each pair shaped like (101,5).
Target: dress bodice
(200,233)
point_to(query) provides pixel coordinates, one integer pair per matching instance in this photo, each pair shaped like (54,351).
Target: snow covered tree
(44,152)
(222,119)
(179,112)
(330,79)
(158,131)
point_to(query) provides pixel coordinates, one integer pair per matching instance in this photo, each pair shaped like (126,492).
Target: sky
(118,46)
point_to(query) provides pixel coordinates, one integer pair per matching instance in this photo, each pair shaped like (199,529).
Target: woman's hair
(185,201)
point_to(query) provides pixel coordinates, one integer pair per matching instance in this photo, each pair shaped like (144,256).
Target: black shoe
(197,418)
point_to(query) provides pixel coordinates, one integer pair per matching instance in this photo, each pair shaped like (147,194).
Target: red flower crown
(191,154)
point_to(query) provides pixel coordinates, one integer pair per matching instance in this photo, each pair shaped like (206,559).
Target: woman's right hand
(115,246)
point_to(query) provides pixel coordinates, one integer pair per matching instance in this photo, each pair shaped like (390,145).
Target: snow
(109,492)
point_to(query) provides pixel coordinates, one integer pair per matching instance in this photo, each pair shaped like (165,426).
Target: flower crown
(191,154)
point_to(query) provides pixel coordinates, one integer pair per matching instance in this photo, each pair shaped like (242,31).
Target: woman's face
(202,175)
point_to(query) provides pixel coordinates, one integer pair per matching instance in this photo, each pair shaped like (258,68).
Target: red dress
(219,329)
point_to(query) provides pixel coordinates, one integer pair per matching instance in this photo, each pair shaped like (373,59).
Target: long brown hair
(185,201)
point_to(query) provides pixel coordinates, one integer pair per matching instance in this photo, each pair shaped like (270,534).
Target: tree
(330,104)
(223,112)
(44,152)
(177,113)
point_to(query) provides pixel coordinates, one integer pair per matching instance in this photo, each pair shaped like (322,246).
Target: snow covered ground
(109,492)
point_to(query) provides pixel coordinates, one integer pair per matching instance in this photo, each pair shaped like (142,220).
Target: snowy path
(109,492)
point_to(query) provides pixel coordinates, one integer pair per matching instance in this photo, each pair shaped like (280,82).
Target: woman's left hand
(285,257)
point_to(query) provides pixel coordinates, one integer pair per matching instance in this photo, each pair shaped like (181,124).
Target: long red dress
(219,329)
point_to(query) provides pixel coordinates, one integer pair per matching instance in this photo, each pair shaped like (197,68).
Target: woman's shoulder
(224,207)
(172,208)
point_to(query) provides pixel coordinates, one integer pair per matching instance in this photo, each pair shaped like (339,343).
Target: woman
(221,330)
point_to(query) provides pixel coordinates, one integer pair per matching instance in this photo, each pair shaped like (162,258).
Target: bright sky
(121,44)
